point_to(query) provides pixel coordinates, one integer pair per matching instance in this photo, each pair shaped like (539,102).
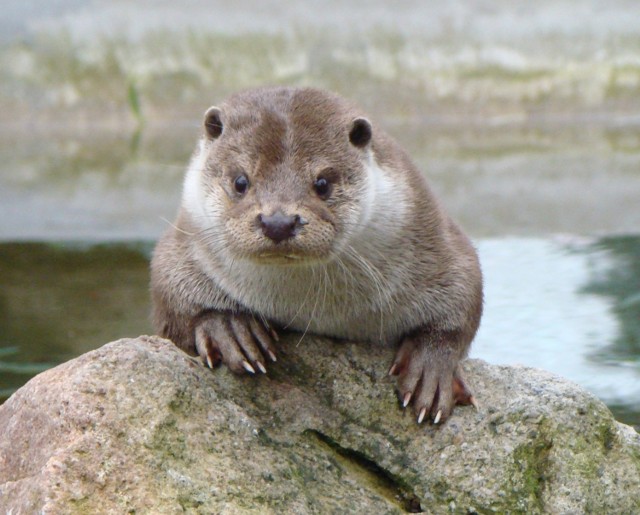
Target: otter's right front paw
(239,341)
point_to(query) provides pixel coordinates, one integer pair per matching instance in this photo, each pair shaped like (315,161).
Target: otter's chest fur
(335,299)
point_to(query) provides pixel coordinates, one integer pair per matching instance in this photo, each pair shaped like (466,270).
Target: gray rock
(138,426)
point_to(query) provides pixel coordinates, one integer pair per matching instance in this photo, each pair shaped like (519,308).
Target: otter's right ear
(360,132)
(212,122)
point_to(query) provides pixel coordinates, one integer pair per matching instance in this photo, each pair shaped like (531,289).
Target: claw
(474,402)
(271,330)
(209,362)
(393,369)
(271,355)
(261,367)
(247,366)
(406,399)
(421,415)
(438,416)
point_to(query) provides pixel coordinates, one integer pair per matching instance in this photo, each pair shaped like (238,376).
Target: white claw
(438,415)
(271,355)
(247,366)
(209,362)
(406,400)
(474,402)
(261,367)
(421,415)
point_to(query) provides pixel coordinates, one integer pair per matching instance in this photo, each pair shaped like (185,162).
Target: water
(568,306)
(58,301)
(571,307)
(526,122)
(552,211)
(534,181)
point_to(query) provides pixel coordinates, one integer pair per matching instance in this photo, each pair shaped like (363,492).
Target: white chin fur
(192,192)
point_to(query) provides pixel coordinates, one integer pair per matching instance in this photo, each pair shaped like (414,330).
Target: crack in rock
(387,484)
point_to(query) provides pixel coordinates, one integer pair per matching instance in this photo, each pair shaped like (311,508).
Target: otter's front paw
(239,341)
(431,378)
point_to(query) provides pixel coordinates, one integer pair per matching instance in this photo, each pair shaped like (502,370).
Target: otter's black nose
(279,227)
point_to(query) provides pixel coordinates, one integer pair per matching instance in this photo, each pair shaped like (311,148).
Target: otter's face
(281,184)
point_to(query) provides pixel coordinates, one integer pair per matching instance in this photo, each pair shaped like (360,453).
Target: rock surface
(139,427)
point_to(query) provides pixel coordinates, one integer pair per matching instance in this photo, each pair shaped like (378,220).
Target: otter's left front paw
(429,378)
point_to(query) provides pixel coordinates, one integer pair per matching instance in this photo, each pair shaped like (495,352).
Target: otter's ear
(360,133)
(212,122)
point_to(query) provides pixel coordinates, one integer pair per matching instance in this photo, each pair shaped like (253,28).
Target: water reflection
(495,180)
(616,277)
(102,187)
(541,310)
(59,301)
(568,306)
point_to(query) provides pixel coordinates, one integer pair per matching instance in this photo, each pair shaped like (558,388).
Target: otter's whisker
(313,311)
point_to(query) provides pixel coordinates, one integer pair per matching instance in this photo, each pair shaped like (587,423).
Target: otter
(300,213)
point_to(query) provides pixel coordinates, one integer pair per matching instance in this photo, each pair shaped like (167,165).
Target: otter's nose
(279,227)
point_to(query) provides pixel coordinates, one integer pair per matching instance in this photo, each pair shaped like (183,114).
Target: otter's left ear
(360,133)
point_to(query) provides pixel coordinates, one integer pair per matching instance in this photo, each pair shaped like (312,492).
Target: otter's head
(280,176)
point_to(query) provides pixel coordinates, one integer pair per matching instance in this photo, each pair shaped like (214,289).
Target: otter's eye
(322,187)
(241,184)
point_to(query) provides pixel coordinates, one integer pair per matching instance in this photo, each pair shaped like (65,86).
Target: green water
(58,301)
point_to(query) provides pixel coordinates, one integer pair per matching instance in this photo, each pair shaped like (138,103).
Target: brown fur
(396,269)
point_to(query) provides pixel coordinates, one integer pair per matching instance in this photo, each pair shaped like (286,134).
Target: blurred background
(525,118)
